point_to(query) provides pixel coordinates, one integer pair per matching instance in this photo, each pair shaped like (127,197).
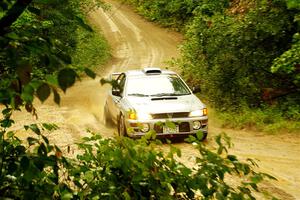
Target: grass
(92,51)
(265,120)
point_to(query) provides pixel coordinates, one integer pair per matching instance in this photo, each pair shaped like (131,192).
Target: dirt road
(137,43)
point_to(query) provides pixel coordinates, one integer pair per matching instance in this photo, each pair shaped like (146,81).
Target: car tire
(107,117)
(121,126)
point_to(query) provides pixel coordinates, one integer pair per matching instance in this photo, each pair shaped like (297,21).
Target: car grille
(170,115)
(183,127)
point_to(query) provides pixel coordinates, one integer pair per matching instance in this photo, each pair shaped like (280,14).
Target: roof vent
(151,70)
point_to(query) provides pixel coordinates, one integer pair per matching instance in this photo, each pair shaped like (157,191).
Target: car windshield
(156,85)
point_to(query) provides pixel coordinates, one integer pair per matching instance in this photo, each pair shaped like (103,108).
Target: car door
(115,106)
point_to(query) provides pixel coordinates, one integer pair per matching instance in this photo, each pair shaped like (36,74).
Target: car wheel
(121,126)
(107,117)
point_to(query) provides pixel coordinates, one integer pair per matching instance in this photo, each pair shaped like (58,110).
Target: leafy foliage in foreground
(119,168)
(40,47)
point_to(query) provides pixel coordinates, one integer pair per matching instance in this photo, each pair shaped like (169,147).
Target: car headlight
(139,115)
(198,113)
(196,125)
(132,115)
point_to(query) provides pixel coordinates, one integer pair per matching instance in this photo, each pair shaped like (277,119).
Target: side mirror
(116,92)
(196,89)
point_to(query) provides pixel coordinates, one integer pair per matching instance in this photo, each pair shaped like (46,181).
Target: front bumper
(184,127)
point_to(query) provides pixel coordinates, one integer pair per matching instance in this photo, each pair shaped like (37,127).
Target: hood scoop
(163,98)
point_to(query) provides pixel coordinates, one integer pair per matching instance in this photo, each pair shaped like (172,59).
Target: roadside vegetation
(42,48)
(244,55)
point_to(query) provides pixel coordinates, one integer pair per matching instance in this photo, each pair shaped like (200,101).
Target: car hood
(166,104)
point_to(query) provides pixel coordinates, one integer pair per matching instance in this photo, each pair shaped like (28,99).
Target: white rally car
(151,98)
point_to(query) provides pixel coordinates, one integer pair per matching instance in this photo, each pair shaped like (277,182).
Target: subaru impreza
(152,99)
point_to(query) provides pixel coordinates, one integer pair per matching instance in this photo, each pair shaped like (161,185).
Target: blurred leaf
(45,139)
(66,195)
(256,178)
(52,79)
(50,127)
(66,78)
(90,73)
(34,128)
(5,123)
(89,176)
(199,135)
(12,35)
(27,93)
(126,196)
(32,141)
(43,92)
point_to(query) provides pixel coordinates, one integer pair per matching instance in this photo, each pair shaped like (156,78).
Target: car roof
(143,72)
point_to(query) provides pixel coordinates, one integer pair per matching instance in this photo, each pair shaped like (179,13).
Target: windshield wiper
(138,95)
(167,94)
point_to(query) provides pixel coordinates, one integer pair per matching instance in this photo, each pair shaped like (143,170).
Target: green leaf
(293,4)
(256,178)
(43,92)
(126,196)
(170,124)
(27,93)
(199,135)
(12,35)
(89,176)
(52,80)
(34,128)
(90,73)
(66,78)
(50,127)
(66,195)
(45,139)
(32,141)
(5,123)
